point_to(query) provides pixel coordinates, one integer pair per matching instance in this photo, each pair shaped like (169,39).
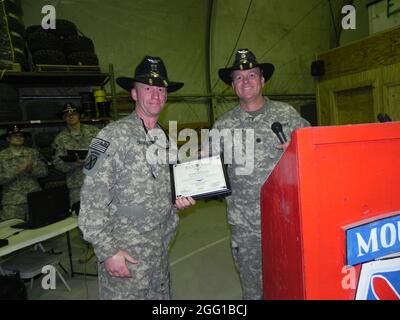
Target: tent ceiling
(285,32)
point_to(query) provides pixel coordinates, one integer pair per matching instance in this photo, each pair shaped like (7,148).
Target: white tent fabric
(287,33)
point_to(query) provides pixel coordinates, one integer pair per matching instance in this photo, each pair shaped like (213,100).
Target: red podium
(330,211)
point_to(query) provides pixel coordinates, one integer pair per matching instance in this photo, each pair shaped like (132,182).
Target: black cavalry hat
(244,60)
(13,129)
(151,71)
(68,108)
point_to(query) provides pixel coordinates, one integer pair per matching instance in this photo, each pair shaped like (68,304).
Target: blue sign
(373,240)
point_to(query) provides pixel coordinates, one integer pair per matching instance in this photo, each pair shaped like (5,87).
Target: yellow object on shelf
(99,95)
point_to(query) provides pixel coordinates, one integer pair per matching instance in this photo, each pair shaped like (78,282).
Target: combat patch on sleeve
(96,155)
(91,160)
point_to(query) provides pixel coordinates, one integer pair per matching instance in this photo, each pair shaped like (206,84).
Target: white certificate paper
(201,178)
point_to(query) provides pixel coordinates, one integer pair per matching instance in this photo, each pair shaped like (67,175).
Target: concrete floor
(201,261)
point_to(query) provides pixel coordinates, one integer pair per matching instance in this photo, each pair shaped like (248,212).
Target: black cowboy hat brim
(267,70)
(4,136)
(128,83)
(60,114)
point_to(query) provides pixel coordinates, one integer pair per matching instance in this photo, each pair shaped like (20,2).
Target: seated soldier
(20,167)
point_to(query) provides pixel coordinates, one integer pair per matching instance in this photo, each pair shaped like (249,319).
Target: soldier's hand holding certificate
(199,179)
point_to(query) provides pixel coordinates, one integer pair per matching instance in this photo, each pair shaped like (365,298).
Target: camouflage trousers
(150,278)
(17,211)
(247,255)
(145,284)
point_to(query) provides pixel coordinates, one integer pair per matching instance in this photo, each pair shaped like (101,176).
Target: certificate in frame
(200,179)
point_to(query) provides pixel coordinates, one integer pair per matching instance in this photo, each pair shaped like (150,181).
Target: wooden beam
(366,54)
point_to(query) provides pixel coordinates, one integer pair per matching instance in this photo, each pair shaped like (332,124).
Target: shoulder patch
(91,160)
(96,155)
(99,145)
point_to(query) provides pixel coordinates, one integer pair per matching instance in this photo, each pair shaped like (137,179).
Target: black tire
(6,54)
(7,58)
(77,44)
(20,57)
(64,29)
(16,24)
(8,93)
(18,43)
(14,7)
(83,58)
(10,111)
(43,41)
(17,2)
(16,39)
(54,57)
(33,28)
(5,64)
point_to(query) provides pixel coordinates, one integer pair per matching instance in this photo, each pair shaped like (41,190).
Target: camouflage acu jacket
(123,196)
(67,140)
(244,203)
(16,184)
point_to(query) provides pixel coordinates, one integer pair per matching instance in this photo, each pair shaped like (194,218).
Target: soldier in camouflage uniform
(126,208)
(76,136)
(255,112)
(20,167)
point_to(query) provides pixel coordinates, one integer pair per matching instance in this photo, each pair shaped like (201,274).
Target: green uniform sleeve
(95,219)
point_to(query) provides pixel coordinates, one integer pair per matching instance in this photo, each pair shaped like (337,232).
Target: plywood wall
(360,81)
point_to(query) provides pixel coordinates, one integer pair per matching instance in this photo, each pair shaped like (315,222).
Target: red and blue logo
(376,246)
(379,280)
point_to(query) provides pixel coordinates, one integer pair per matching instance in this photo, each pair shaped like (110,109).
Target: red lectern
(330,211)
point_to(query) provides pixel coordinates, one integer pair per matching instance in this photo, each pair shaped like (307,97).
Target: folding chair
(29,264)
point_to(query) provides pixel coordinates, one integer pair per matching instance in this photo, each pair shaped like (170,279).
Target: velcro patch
(99,145)
(91,160)
(96,156)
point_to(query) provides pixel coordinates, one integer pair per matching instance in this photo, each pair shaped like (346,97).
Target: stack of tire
(12,35)
(60,46)
(45,47)
(80,51)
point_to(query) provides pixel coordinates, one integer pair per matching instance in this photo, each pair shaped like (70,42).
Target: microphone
(383,117)
(276,127)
